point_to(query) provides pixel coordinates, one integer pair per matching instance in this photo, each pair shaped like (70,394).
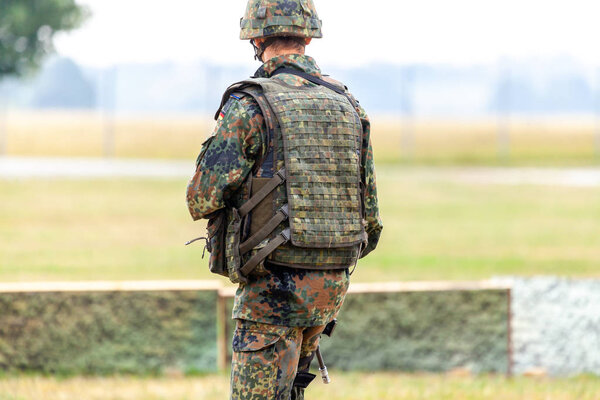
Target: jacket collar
(298,61)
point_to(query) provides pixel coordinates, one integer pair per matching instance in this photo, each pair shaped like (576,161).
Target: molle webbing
(321,135)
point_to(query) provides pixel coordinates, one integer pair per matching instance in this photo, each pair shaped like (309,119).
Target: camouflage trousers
(266,359)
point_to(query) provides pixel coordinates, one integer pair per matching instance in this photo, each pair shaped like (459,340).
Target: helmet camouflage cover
(266,18)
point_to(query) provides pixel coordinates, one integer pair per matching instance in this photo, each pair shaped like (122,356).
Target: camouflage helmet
(266,18)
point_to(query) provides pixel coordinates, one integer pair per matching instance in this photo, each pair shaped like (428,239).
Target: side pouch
(217,229)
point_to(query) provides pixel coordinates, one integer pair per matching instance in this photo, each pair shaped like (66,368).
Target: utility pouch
(234,259)
(217,228)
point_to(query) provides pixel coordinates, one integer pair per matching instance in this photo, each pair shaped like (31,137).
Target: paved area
(573,177)
(27,167)
(512,176)
(35,167)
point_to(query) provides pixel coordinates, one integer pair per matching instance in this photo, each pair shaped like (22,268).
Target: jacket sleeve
(374,224)
(226,157)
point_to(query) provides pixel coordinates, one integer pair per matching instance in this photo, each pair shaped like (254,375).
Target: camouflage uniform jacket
(288,296)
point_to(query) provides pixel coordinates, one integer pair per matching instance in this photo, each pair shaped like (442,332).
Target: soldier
(287,182)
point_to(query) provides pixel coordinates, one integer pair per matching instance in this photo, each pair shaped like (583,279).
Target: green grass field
(434,229)
(381,386)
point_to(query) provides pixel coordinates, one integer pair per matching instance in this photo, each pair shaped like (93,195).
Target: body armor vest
(308,211)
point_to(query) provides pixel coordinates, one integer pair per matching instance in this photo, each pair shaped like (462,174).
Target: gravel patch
(556,325)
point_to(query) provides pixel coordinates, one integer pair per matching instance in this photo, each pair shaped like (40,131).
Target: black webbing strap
(259,196)
(263,253)
(316,81)
(266,230)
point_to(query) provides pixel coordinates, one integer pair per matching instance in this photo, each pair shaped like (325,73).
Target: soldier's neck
(268,54)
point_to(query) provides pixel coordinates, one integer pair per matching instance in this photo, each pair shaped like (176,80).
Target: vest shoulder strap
(253,87)
(329,84)
(244,87)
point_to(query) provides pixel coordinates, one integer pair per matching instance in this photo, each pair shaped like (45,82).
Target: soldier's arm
(226,158)
(374,224)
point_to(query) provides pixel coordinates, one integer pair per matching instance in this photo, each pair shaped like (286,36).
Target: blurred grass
(80,134)
(550,141)
(539,142)
(363,386)
(434,229)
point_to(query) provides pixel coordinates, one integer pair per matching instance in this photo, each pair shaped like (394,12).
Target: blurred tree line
(27,30)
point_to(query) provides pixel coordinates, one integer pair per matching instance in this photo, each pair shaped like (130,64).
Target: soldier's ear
(307,41)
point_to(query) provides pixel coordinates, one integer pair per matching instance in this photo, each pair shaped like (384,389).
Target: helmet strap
(259,50)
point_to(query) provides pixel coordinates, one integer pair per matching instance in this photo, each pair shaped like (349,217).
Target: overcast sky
(460,32)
